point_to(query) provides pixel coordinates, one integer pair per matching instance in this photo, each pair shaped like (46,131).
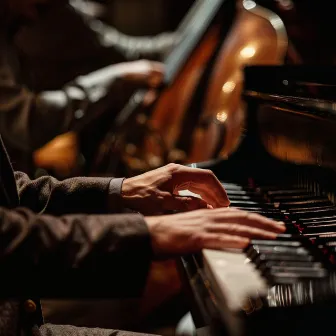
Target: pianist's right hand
(220,228)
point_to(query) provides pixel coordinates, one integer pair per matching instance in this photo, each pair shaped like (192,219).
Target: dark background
(146,17)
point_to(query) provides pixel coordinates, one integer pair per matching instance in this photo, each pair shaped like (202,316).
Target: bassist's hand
(142,73)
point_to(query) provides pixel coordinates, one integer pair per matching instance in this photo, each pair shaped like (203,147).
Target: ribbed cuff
(115,200)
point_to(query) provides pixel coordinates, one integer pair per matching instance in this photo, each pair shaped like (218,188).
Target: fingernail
(281,223)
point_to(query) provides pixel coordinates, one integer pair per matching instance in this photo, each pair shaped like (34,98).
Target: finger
(241,231)
(207,192)
(157,67)
(156,75)
(155,80)
(248,219)
(202,182)
(223,241)
(183,203)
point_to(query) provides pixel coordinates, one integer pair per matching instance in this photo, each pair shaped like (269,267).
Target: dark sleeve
(29,120)
(134,47)
(72,256)
(75,195)
(130,47)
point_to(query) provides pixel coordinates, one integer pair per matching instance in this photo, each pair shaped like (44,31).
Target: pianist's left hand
(156,192)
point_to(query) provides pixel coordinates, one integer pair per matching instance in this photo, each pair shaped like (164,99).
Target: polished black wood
(288,145)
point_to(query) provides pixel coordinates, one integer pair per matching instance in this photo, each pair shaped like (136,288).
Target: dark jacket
(48,249)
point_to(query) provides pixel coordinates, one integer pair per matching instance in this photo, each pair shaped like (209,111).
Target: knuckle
(198,239)
(255,217)
(209,172)
(209,216)
(208,227)
(243,215)
(234,227)
(171,165)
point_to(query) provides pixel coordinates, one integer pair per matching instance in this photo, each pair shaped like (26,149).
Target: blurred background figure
(73,40)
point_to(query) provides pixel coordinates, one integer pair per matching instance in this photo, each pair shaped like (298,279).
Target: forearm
(29,120)
(74,252)
(130,47)
(75,195)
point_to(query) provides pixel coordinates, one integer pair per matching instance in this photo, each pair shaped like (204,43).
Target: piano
(284,168)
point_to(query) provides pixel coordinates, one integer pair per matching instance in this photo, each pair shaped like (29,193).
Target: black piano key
(270,210)
(320,235)
(319,228)
(317,210)
(235,203)
(240,198)
(307,204)
(276,263)
(288,237)
(251,203)
(317,223)
(306,212)
(275,243)
(255,250)
(292,277)
(273,189)
(303,197)
(246,193)
(261,258)
(295,269)
(317,219)
(250,209)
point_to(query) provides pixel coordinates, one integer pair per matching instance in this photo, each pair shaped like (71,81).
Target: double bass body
(257,37)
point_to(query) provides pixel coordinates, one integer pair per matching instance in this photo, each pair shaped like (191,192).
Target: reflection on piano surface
(283,169)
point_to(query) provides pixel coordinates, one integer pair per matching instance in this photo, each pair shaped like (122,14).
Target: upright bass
(210,124)
(258,37)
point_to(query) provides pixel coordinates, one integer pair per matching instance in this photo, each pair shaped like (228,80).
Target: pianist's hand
(156,192)
(220,228)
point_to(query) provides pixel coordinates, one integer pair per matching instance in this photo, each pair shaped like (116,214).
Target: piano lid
(296,115)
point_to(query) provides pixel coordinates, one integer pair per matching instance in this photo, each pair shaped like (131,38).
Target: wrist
(128,192)
(115,201)
(153,223)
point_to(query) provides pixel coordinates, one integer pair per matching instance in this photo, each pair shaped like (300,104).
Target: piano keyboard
(269,269)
